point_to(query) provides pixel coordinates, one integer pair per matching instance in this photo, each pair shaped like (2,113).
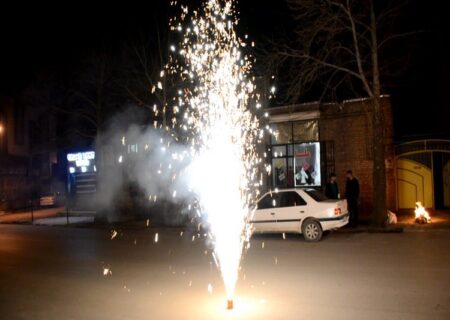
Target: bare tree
(82,102)
(94,95)
(340,44)
(144,77)
(143,74)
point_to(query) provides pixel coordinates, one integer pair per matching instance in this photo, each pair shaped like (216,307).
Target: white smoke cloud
(142,168)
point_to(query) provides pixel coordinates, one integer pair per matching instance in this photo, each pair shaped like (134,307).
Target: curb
(389,229)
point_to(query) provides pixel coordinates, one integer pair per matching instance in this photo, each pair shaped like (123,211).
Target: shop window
(279,151)
(132,148)
(279,173)
(306,131)
(282,133)
(282,172)
(307,164)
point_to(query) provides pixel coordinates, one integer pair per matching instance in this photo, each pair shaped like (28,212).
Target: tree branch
(323,63)
(357,53)
(398,35)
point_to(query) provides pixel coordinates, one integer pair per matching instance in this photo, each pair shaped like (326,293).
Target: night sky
(39,39)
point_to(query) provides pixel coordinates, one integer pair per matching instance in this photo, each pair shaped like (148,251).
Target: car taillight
(337,211)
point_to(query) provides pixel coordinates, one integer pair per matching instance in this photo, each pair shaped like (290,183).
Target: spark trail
(215,111)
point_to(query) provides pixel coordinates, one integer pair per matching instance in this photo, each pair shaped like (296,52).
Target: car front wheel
(312,230)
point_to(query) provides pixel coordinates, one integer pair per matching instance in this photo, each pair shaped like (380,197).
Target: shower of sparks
(215,108)
(224,130)
(214,114)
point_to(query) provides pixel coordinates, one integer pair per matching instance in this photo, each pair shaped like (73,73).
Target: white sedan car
(305,211)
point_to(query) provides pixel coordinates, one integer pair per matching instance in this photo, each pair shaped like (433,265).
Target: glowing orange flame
(421,213)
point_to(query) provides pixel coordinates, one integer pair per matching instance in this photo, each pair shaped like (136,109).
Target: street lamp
(1,128)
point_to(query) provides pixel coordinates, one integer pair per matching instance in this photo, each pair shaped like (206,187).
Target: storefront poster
(307,164)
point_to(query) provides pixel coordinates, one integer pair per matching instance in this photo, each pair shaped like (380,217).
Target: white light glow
(89,155)
(223,131)
(82,163)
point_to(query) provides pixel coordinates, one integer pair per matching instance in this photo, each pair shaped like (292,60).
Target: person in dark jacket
(352,195)
(332,189)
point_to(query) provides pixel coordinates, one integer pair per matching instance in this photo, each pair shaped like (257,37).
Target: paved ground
(57,273)
(439,219)
(26,216)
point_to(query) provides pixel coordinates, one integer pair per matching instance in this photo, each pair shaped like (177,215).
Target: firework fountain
(214,112)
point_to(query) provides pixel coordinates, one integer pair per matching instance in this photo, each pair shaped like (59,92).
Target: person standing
(332,189)
(352,195)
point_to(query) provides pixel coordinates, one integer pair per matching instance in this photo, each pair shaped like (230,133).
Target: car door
(291,211)
(264,219)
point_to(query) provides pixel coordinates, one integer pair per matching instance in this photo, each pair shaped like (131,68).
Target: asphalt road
(57,273)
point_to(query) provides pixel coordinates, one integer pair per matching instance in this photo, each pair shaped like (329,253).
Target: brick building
(27,153)
(14,188)
(312,140)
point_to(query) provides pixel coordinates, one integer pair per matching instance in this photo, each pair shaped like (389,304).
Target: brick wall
(349,126)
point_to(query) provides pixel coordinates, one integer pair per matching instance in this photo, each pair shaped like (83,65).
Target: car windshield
(316,195)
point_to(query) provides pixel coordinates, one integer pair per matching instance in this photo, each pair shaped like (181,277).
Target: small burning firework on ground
(422,215)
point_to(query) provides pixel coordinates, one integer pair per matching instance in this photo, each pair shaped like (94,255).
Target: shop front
(81,181)
(312,140)
(295,154)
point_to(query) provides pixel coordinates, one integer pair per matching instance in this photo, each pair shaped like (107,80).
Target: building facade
(14,187)
(311,141)
(28,154)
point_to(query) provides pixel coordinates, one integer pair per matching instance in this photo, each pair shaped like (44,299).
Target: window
(306,130)
(307,164)
(316,195)
(132,148)
(291,199)
(269,201)
(282,166)
(282,173)
(279,172)
(294,162)
(279,151)
(282,133)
